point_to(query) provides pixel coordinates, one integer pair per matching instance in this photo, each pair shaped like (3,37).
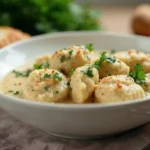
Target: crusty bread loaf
(10,35)
(141,20)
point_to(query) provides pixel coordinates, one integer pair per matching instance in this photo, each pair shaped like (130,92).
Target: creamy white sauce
(11,85)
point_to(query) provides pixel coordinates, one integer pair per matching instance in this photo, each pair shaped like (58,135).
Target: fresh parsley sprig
(71,72)
(46,88)
(104,57)
(56,76)
(37,66)
(23,73)
(88,72)
(40,66)
(46,76)
(14,92)
(138,74)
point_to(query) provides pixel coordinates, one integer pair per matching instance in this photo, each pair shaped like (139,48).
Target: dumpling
(116,68)
(118,88)
(132,57)
(83,82)
(47,85)
(66,59)
(146,86)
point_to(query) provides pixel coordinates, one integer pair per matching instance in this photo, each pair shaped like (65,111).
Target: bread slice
(10,35)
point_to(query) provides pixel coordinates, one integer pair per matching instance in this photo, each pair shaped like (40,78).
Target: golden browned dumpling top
(83,83)
(66,59)
(118,88)
(47,85)
(132,57)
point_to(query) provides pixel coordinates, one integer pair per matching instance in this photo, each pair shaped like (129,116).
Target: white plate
(74,120)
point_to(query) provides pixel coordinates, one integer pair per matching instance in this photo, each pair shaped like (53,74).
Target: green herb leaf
(46,76)
(46,88)
(89,47)
(16,93)
(63,58)
(70,54)
(99,62)
(138,74)
(104,57)
(71,72)
(88,72)
(56,92)
(26,73)
(17,73)
(22,74)
(10,91)
(57,77)
(37,66)
(40,66)
(110,59)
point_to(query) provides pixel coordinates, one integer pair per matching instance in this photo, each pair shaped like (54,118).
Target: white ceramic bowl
(74,120)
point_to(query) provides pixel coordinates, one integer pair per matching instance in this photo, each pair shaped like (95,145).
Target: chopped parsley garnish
(17,73)
(63,58)
(110,59)
(89,47)
(103,58)
(113,51)
(26,73)
(22,74)
(37,66)
(56,92)
(70,54)
(57,77)
(138,74)
(46,88)
(16,93)
(40,66)
(10,91)
(88,72)
(71,72)
(46,76)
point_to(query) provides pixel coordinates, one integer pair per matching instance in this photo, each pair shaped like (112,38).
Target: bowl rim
(64,105)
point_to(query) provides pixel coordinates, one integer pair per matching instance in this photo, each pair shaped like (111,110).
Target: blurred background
(21,19)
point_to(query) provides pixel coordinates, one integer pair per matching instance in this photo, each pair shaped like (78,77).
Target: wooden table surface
(116,18)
